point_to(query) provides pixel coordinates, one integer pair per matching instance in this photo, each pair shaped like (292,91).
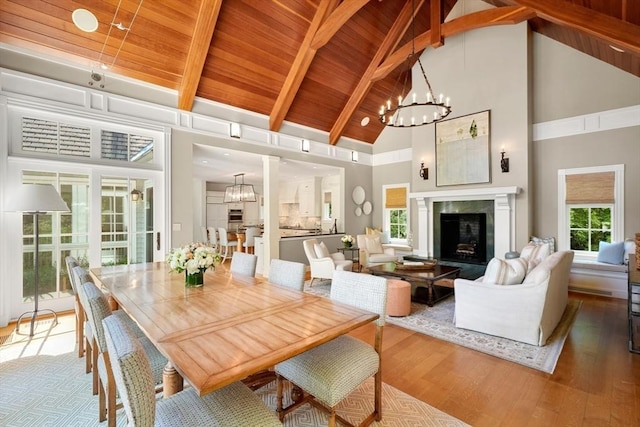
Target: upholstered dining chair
(225,243)
(250,239)
(330,372)
(243,263)
(80,275)
(287,273)
(70,263)
(97,309)
(232,405)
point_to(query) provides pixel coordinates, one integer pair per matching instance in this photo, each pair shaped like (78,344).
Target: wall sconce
(354,156)
(504,163)
(424,172)
(234,130)
(136,195)
(304,145)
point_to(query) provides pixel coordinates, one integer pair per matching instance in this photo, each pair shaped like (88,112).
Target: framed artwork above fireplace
(462,150)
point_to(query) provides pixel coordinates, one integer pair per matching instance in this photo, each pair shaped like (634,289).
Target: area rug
(437,321)
(53,390)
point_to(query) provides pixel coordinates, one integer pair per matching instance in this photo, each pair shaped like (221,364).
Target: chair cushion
(321,250)
(344,265)
(611,253)
(333,370)
(373,245)
(505,271)
(381,258)
(534,254)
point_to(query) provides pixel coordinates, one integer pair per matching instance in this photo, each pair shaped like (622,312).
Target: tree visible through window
(588,226)
(397,223)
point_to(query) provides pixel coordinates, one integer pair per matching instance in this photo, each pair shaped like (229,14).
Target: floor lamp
(36,199)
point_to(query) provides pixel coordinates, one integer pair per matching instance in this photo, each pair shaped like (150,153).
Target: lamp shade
(35,198)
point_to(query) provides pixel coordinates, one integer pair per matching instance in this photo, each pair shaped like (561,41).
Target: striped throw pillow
(505,271)
(534,254)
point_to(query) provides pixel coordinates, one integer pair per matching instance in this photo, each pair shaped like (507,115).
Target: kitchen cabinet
(252,212)
(309,197)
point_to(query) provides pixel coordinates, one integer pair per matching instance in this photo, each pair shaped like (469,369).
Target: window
(44,136)
(590,208)
(126,147)
(396,213)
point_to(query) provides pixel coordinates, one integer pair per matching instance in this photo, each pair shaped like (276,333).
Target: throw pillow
(551,241)
(505,271)
(370,230)
(384,238)
(534,254)
(373,245)
(611,253)
(321,250)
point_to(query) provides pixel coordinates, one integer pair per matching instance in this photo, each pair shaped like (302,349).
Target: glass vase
(194,280)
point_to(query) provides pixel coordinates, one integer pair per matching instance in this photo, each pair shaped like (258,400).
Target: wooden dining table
(230,328)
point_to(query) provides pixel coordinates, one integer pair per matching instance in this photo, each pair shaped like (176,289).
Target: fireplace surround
(501,228)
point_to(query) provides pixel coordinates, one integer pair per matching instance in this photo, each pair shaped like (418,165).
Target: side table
(355,255)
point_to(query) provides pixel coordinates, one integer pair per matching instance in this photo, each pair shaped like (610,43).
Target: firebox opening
(463,237)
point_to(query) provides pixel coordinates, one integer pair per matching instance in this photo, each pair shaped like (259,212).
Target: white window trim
(386,217)
(617,214)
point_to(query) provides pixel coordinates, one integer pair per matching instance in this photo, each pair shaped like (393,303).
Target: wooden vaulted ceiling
(325,64)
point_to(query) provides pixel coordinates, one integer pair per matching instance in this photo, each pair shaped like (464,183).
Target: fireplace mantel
(504,211)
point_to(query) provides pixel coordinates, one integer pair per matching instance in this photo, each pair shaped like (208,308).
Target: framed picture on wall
(462,150)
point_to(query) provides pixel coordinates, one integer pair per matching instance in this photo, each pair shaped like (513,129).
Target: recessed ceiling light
(205,161)
(617,49)
(85,20)
(364,121)
(225,154)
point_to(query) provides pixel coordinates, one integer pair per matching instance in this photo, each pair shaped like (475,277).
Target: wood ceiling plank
(198,50)
(396,32)
(614,31)
(338,18)
(299,67)
(506,15)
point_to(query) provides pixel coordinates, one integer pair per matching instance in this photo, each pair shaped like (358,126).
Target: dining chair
(287,273)
(232,405)
(225,242)
(330,372)
(80,275)
(243,263)
(98,309)
(213,237)
(250,239)
(70,263)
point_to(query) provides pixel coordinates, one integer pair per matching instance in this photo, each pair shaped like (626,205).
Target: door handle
(158,241)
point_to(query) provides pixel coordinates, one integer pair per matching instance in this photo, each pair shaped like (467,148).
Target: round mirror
(358,211)
(366,208)
(358,195)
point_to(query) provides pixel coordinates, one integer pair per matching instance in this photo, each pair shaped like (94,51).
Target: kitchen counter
(306,234)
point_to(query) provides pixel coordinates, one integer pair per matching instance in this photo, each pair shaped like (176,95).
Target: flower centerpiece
(194,259)
(347,240)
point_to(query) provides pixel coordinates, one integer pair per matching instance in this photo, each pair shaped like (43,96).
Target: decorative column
(504,234)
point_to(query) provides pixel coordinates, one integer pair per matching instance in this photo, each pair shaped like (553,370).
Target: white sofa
(527,312)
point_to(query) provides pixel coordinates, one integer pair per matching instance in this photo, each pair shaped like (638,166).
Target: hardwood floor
(596,381)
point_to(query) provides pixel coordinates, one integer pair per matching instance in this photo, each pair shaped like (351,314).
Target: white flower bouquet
(192,258)
(347,240)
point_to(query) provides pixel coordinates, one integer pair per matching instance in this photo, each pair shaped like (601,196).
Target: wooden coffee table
(438,282)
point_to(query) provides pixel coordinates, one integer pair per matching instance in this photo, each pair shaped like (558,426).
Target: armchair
(372,252)
(323,263)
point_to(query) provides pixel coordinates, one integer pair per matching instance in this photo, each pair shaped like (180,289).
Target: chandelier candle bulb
(447,102)
(413,121)
(388,104)
(441,96)
(435,115)
(414,97)
(424,119)
(429,97)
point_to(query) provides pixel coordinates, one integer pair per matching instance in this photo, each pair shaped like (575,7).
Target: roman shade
(396,198)
(590,188)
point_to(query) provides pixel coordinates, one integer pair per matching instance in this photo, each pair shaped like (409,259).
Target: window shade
(590,188)
(396,198)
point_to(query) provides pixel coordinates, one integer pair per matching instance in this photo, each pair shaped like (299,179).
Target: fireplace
(463,237)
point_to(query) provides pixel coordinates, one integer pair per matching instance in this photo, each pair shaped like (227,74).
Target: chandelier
(415,109)
(239,192)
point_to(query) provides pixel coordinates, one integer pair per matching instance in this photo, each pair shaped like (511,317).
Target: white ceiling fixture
(84,20)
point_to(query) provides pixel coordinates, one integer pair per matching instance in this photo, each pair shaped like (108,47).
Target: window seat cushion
(602,266)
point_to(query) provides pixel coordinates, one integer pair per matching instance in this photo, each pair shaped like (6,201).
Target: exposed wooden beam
(338,18)
(614,31)
(299,68)
(198,50)
(507,15)
(396,32)
(436,21)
